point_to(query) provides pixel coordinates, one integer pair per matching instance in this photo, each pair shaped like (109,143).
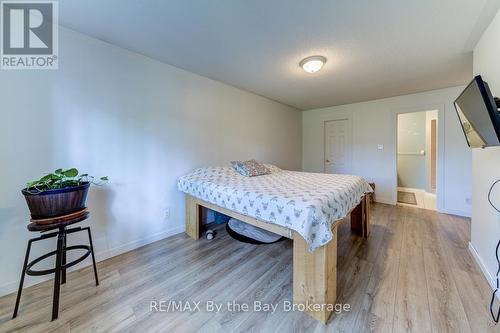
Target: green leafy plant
(61,179)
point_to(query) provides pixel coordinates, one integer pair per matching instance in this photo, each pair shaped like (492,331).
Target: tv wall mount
(497,101)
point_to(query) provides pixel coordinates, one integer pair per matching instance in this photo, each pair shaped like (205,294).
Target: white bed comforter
(305,202)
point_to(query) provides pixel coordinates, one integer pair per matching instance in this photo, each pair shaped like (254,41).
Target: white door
(338,146)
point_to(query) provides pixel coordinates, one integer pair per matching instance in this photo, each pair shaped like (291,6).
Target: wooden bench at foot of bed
(314,273)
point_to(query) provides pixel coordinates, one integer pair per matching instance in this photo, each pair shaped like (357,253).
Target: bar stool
(60,223)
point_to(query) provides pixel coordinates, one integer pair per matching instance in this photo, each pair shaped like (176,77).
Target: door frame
(428,157)
(349,120)
(440,108)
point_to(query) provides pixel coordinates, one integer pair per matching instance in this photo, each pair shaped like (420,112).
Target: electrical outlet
(380,146)
(167,213)
(468,200)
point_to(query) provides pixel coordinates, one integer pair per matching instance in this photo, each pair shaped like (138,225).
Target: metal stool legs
(61,264)
(63,272)
(93,256)
(23,274)
(57,273)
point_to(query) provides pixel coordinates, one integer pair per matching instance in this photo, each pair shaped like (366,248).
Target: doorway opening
(417,145)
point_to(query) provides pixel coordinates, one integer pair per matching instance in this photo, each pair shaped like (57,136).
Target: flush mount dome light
(312,64)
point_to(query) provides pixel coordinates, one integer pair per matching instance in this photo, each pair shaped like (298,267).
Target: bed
(305,207)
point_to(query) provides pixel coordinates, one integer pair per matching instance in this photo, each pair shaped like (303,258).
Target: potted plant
(59,193)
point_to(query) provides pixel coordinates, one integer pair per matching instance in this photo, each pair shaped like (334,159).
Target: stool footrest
(33,272)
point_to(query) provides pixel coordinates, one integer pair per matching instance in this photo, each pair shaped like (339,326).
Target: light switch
(380,147)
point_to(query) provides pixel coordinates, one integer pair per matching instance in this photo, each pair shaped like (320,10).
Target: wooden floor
(414,274)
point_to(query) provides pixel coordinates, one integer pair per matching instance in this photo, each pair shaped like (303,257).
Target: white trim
(113,252)
(12,286)
(491,280)
(387,201)
(482,266)
(456,212)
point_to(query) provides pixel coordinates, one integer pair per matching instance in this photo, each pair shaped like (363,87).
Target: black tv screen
(478,115)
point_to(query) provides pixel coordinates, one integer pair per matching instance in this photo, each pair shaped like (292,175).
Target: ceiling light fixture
(312,64)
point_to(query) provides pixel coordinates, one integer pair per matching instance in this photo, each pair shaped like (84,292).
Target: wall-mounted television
(478,114)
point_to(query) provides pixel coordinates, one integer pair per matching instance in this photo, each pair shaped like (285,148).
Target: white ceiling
(375,48)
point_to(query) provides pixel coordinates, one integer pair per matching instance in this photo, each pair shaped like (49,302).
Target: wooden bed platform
(314,273)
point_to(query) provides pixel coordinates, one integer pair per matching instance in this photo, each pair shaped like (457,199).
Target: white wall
(374,123)
(485,226)
(108,111)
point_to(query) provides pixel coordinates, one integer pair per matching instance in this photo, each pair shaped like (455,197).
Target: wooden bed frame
(314,273)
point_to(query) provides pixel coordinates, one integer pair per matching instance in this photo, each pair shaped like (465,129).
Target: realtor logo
(29,35)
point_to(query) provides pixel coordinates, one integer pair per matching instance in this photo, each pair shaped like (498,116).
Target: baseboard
(491,280)
(456,212)
(113,252)
(387,201)
(12,286)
